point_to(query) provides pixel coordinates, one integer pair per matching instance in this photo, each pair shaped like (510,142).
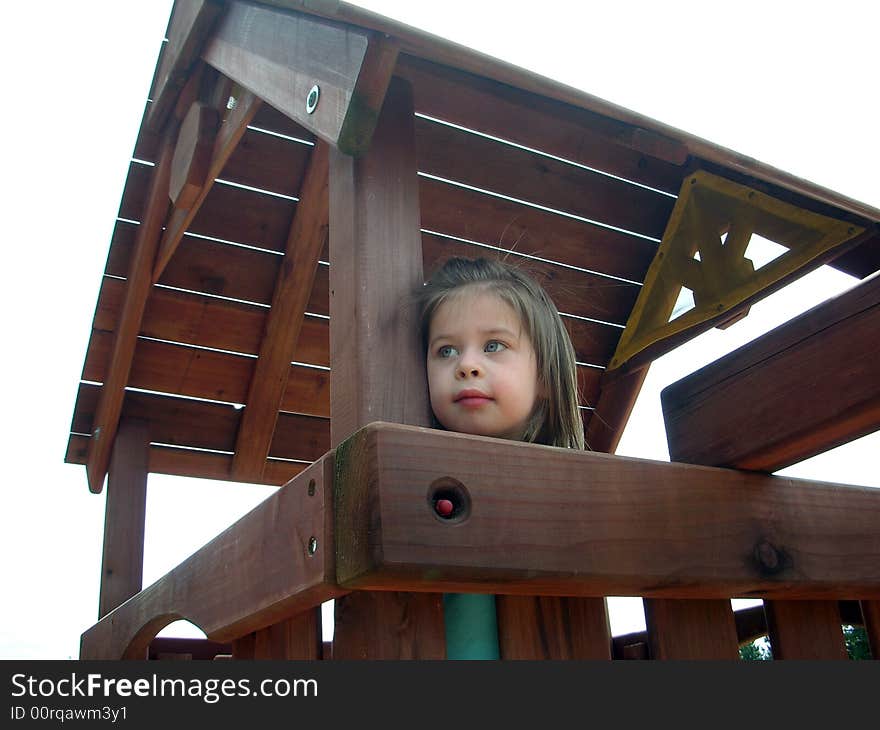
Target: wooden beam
(190,25)
(805,630)
(122,565)
(109,409)
(695,629)
(282,56)
(227,137)
(553,521)
(256,573)
(378,370)
(807,386)
(307,238)
(871,620)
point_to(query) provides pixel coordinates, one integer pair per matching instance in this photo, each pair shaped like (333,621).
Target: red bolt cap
(444,507)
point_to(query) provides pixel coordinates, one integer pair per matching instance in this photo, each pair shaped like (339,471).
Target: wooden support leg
(692,629)
(122,566)
(871,616)
(805,629)
(377,365)
(548,627)
(298,637)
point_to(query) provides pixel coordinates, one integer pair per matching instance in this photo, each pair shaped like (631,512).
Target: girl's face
(482,369)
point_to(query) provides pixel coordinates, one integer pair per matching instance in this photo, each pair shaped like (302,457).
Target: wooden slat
(871,618)
(191,23)
(109,409)
(573,292)
(295,638)
(190,463)
(495,221)
(580,136)
(807,386)
(618,393)
(227,137)
(546,627)
(805,630)
(378,373)
(236,584)
(208,322)
(691,629)
(562,522)
(450,153)
(122,564)
(292,291)
(268,162)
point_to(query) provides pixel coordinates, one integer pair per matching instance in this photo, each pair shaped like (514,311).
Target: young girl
(500,363)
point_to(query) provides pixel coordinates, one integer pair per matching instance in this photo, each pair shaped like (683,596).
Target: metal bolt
(313,545)
(312,100)
(312,488)
(231,102)
(97,432)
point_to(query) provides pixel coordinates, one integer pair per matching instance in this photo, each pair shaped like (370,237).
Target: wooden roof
(579,190)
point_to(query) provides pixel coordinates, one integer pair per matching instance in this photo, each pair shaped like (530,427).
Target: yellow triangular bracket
(715,219)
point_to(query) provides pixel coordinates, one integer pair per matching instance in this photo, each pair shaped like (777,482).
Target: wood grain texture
(136,292)
(192,154)
(190,25)
(281,55)
(307,237)
(255,574)
(548,627)
(378,369)
(693,629)
(295,638)
(558,522)
(122,564)
(805,629)
(807,386)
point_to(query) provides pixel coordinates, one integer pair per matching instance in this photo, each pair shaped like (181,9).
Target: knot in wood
(770,560)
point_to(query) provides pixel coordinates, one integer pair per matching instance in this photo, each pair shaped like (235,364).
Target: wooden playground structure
(300,169)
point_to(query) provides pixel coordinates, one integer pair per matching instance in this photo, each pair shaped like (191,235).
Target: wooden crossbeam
(307,238)
(328,77)
(263,570)
(807,386)
(541,520)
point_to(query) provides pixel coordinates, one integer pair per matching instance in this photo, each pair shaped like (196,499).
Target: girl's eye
(495,346)
(446,351)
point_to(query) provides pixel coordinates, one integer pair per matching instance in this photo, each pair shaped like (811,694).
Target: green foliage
(758,650)
(856,642)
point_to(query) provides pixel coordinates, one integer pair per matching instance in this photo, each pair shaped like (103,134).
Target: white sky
(793,84)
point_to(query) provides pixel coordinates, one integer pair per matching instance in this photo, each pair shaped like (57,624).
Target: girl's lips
(471,398)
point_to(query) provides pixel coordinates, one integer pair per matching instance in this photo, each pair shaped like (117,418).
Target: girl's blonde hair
(556,420)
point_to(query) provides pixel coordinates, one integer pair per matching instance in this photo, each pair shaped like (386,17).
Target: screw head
(312,99)
(311,487)
(313,545)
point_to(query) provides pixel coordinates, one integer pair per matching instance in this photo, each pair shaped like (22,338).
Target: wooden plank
(222,145)
(456,211)
(191,23)
(560,522)
(378,370)
(208,322)
(807,386)
(583,137)
(805,630)
(546,627)
(292,291)
(268,162)
(573,292)
(295,638)
(449,153)
(695,629)
(617,398)
(122,564)
(871,619)
(281,56)
(236,584)
(137,290)
(190,463)
(204,425)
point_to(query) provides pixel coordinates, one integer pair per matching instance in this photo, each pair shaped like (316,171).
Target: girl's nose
(469,367)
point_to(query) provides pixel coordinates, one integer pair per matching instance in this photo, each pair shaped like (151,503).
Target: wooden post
(377,372)
(122,566)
